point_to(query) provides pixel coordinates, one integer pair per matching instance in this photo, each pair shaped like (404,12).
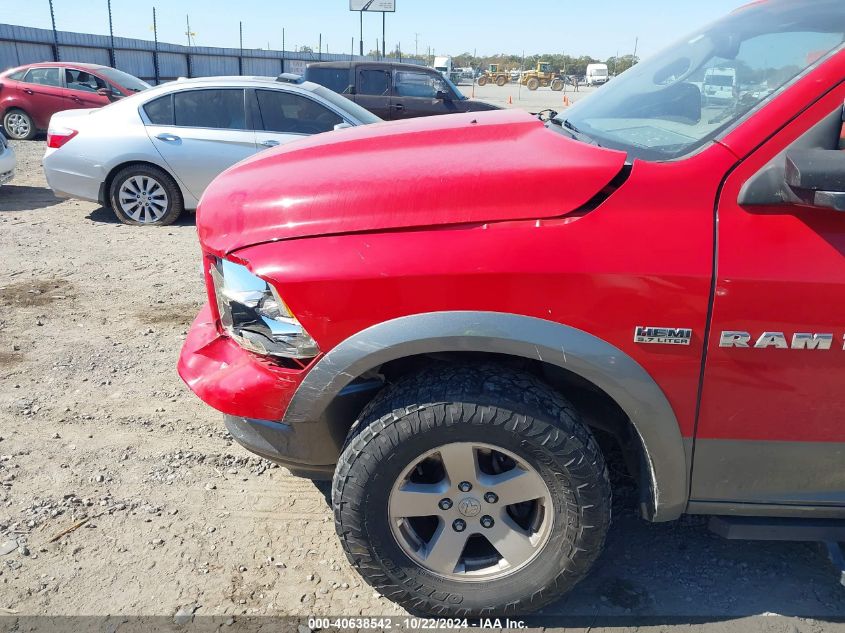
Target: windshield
(130,82)
(457,92)
(350,107)
(675,102)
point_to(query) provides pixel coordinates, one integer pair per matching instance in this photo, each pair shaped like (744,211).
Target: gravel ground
(96,425)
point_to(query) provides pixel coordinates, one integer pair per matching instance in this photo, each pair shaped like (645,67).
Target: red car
(462,319)
(30,95)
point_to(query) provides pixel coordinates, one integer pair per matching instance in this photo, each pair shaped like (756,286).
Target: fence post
(283,50)
(112,60)
(241,52)
(155,49)
(56,56)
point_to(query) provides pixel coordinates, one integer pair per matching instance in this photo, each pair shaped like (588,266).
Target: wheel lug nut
(459,525)
(487,521)
(445,504)
(491,497)
(464,486)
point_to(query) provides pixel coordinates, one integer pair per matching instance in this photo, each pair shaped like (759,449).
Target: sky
(448,27)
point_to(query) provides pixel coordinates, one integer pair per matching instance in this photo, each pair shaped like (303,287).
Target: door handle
(28,91)
(269,143)
(77,99)
(399,106)
(168,137)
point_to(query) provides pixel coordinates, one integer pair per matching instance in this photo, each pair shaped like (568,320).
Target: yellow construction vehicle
(540,77)
(494,75)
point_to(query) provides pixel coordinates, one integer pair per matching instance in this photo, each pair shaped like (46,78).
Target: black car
(394,91)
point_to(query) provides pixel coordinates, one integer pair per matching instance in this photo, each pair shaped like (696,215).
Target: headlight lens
(254,315)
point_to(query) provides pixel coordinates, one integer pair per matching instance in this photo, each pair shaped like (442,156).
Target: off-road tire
(471,403)
(482,80)
(501,80)
(557,85)
(11,131)
(533,83)
(175,203)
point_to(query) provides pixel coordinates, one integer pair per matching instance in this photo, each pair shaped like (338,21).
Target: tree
(617,65)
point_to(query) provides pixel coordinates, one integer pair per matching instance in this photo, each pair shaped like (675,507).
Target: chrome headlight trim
(254,315)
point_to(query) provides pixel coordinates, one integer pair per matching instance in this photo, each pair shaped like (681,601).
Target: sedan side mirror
(817,176)
(442,95)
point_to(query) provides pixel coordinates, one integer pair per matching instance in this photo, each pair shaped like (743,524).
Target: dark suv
(394,91)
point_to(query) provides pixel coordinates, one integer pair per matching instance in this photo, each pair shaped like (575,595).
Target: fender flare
(577,351)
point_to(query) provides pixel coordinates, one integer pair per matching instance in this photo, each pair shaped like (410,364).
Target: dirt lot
(96,424)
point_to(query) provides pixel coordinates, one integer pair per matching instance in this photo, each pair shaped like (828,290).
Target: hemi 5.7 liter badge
(663,335)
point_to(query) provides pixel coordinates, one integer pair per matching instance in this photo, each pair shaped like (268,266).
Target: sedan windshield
(675,102)
(130,82)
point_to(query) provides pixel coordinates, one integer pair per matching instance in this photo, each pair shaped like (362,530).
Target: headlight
(254,315)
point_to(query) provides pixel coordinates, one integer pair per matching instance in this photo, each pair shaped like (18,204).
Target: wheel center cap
(469,506)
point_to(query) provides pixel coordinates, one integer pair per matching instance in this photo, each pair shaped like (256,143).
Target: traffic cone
(510,100)
(565,101)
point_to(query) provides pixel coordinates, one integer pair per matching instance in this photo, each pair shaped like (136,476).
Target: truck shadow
(679,572)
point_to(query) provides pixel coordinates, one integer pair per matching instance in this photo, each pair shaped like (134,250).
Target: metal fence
(155,62)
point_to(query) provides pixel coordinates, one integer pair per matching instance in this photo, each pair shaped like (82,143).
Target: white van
(719,86)
(596,74)
(444,66)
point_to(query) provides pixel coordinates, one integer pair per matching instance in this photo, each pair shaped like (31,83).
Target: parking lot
(522,97)
(96,424)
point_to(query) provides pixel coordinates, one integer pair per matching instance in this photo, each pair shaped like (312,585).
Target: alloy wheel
(18,125)
(143,199)
(470,512)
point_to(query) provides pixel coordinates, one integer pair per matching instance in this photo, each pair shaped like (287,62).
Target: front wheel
(557,85)
(482,80)
(533,83)
(471,490)
(501,81)
(145,195)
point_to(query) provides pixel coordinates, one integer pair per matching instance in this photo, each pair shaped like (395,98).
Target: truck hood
(462,168)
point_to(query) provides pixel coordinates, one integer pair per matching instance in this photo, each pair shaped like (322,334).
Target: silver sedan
(150,156)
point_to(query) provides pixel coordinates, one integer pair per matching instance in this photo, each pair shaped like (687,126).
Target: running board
(831,532)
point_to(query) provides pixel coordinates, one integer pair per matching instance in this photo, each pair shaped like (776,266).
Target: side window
(336,79)
(160,111)
(292,113)
(218,108)
(17,76)
(44,77)
(413,84)
(84,81)
(373,82)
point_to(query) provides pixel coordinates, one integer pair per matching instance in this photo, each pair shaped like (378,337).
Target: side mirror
(112,95)
(817,177)
(342,126)
(442,95)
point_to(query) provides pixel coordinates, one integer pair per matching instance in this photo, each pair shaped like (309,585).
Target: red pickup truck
(460,319)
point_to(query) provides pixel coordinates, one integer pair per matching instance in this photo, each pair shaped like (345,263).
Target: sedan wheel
(18,125)
(143,199)
(145,195)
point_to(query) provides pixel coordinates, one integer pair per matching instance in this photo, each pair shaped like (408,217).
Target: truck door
(373,90)
(771,429)
(421,93)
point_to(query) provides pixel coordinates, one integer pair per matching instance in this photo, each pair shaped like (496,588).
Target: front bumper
(254,393)
(231,379)
(300,449)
